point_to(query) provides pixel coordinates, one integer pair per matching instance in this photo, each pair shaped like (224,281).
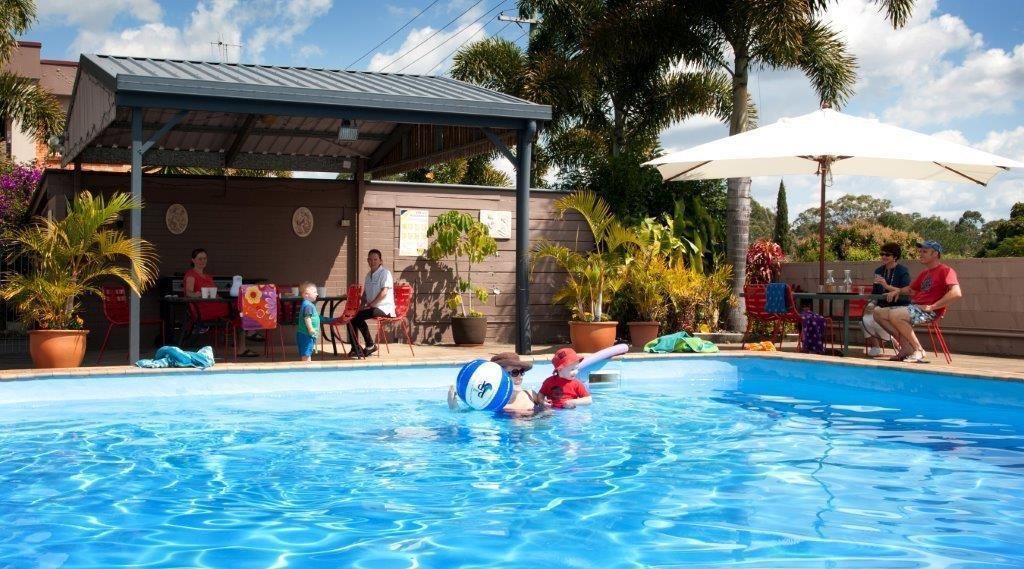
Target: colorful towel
(765,346)
(775,298)
(813,332)
(679,342)
(173,356)
(257,306)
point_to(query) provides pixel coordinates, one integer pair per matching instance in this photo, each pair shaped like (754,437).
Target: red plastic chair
(857,305)
(115,309)
(755,300)
(935,333)
(403,300)
(792,315)
(353,299)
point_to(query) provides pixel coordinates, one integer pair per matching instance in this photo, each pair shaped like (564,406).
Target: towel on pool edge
(775,298)
(173,356)
(679,342)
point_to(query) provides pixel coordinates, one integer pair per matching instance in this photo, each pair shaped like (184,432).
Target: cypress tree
(781,234)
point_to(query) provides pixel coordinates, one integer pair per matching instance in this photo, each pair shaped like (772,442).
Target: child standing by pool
(563,390)
(307,324)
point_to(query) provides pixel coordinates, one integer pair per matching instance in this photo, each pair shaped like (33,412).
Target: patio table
(845,297)
(328,304)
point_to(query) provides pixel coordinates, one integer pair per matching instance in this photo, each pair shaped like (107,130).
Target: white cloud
(426,48)
(99,14)
(250,27)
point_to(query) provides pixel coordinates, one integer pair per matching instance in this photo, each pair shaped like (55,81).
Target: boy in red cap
(563,390)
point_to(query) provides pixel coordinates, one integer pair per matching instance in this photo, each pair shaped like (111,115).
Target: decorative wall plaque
(176,219)
(498,222)
(302,222)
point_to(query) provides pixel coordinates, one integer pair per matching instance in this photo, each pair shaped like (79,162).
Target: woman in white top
(378,300)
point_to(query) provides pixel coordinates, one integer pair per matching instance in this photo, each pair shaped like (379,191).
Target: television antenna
(221,50)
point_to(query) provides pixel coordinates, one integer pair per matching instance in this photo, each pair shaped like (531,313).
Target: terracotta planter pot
(590,337)
(642,332)
(469,331)
(57,348)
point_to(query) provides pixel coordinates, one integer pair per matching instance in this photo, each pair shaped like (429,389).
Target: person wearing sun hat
(563,390)
(931,292)
(523,401)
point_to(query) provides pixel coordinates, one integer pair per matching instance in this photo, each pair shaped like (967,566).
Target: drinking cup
(295,291)
(321,291)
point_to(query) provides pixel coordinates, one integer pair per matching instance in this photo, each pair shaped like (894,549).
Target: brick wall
(989,319)
(245,225)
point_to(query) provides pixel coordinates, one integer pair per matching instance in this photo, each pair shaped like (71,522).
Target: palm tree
(774,34)
(21,98)
(72,257)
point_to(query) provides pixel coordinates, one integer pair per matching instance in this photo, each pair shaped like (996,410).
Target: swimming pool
(686,462)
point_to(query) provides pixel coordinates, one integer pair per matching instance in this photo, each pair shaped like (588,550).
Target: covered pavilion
(156,112)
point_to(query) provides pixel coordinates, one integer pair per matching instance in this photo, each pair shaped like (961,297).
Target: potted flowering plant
(67,260)
(465,241)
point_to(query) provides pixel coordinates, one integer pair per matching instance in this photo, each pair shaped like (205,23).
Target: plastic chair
(353,299)
(793,316)
(115,309)
(403,300)
(258,310)
(755,300)
(935,333)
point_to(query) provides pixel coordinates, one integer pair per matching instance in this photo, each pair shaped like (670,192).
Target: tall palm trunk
(738,211)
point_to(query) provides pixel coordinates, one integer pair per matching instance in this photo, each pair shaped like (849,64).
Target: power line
(454,51)
(371,50)
(456,33)
(407,52)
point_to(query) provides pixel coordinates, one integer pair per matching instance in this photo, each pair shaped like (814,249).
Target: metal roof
(258,116)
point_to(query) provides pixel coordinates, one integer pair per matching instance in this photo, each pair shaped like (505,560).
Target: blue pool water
(685,462)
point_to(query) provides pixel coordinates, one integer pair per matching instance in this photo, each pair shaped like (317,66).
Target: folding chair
(115,309)
(403,300)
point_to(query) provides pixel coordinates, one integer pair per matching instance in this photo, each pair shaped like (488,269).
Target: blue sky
(956,71)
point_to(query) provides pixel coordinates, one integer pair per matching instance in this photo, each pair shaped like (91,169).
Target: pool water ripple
(681,473)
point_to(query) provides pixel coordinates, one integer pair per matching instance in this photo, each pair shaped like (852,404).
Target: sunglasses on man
(516,372)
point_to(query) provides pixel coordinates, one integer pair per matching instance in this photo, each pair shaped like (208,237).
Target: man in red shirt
(931,292)
(563,390)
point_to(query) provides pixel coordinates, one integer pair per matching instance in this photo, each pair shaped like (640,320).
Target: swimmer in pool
(523,401)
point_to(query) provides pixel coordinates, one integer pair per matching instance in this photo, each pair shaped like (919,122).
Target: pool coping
(935,369)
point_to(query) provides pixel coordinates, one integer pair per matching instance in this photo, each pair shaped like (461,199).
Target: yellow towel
(766,346)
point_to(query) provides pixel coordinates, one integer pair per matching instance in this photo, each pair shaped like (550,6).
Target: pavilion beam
(400,132)
(236,144)
(499,144)
(301,133)
(136,230)
(158,135)
(524,150)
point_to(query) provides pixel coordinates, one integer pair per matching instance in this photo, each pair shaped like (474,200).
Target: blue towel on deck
(775,298)
(173,356)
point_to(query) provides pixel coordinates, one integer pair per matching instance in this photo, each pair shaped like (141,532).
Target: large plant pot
(470,330)
(590,337)
(57,348)
(642,332)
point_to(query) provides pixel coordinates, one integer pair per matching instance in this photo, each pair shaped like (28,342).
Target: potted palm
(592,277)
(69,259)
(463,240)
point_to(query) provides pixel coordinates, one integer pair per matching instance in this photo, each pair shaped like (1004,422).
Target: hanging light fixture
(348,130)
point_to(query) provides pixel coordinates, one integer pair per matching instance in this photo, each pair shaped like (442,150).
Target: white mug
(295,291)
(321,291)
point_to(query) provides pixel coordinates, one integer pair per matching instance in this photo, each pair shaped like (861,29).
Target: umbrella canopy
(829,142)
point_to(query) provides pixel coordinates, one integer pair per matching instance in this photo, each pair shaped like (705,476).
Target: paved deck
(18,365)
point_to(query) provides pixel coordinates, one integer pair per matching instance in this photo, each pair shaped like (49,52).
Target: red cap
(564,357)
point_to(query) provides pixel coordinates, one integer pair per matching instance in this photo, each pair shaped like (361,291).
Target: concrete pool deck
(18,366)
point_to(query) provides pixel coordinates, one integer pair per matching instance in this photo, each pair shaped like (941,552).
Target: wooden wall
(245,225)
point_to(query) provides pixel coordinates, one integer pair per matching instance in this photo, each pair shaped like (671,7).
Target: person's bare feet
(453,398)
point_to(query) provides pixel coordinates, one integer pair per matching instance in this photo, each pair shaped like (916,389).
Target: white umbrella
(829,142)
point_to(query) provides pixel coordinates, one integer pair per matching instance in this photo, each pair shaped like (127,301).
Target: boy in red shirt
(931,292)
(563,390)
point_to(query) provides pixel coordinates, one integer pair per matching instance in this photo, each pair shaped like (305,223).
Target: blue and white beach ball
(484,385)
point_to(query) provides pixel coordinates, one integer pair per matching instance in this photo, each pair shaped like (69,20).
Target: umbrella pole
(823,167)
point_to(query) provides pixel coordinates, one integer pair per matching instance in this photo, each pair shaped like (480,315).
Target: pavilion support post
(354,250)
(524,151)
(135,231)
(824,165)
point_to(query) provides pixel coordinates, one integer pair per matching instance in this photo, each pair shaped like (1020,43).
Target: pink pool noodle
(600,356)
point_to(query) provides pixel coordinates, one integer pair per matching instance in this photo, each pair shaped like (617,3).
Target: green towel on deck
(679,342)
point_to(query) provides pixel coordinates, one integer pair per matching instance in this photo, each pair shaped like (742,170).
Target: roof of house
(259,116)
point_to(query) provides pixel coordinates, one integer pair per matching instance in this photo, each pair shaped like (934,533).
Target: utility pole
(531,21)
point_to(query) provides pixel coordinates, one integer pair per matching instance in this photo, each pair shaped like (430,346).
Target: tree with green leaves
(762,222)
(1008,240)
(773,34)
(21,98)
(781,234)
